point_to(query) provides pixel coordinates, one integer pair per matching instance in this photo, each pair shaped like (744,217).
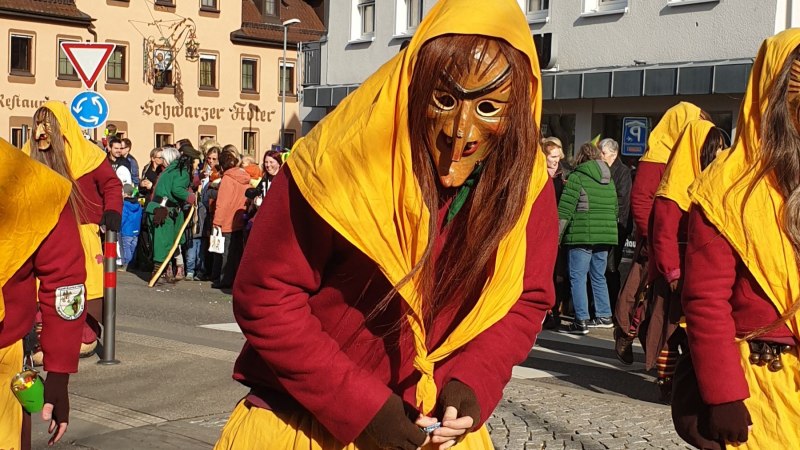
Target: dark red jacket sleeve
(485,363)
(711,270)
(665,237)
(645,185)
(109,186)
(291,245)
(59,262)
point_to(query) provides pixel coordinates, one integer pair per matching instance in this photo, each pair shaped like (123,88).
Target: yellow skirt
(256,428)
(10,409)
(93,252)
(774,403)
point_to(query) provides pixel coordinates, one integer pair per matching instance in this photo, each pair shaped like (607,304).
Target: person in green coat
(587,214)
(172,190)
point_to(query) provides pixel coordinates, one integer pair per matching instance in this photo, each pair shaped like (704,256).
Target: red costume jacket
(648,177)
(722,301)
(58,262)
(303,314)
(102,191)
(668,238)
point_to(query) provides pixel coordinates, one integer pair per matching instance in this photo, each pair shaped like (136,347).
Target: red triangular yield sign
(88,58)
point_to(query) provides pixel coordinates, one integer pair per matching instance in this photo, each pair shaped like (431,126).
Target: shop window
(286,77)
(249,75)
(115,67)
(21,54)
(208,71)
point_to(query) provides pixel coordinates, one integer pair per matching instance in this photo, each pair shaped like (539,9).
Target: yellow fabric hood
(684,165)
(664,135)
(720,191)
(354,169)
(33,198)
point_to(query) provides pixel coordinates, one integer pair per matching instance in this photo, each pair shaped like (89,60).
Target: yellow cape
(684,165)
(757,235)
(33,197)
(82,156)
(354,169)
(663,136)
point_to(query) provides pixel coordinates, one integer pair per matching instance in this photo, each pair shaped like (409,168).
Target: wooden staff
(174,247)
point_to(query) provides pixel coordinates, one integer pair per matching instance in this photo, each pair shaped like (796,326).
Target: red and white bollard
(109,298)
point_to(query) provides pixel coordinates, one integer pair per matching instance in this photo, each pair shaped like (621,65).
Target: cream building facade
(191,69)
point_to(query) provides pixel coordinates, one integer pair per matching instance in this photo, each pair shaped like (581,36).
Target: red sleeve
(664,238)
(109,186)
(485,363)
(59,262)
(706,301)
(645,185)
(273,311)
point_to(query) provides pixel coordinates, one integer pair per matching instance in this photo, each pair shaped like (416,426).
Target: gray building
(602,60)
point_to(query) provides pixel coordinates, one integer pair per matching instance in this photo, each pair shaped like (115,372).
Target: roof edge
(45,17)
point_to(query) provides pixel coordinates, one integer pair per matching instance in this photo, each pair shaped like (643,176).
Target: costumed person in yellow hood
(410,240)
(639,309)
(40,241)
(57,142)
(742,279)
(694,150)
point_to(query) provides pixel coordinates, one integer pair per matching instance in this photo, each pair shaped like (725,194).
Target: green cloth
(588,208)
(463,193)
(173,185)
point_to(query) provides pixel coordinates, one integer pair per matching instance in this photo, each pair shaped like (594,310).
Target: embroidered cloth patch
(70,301)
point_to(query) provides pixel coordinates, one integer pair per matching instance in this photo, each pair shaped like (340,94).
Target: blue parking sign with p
(635,131)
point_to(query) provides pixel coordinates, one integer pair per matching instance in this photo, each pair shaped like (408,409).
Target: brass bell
(755,357)
(776,365)
(767,355)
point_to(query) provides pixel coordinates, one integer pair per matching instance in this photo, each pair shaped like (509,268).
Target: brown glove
(729,421)
(160,216)
(55,393)
(463,399)
(392,429)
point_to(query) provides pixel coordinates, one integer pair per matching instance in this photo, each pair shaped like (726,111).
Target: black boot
(623,347)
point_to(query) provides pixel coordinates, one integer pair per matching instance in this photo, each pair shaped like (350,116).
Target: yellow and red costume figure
(410,242)
(742,279)
(58,143)
(633,315)
(39,240)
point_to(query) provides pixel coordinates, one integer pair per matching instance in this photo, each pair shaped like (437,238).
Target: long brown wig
(461,269)
(56,159)
(778,160)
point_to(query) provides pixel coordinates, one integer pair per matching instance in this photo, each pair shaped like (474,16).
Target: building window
(163,139)
(363,20)
(595,7)
(408,16)
(536,10)
(207,137)
(115,68)
(249,142)
(19,136)
(249,75)
(286,83)
(288,139)
(21,54)
(165,2)
(208,71)
(65,69)
(267,7)
(312,64)
(162,62)
(208,4)
(534,6)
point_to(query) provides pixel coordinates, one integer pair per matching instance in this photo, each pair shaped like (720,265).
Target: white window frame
(31,54)
(215,71)
(402,27)
(539,16)
(604,7)
(357,21)
(688,2)
(255,134)
(293,84)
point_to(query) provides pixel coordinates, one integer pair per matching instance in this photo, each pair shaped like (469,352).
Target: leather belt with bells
(768,354)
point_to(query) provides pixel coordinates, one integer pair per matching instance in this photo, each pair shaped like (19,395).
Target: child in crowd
(131,222)
(249,165)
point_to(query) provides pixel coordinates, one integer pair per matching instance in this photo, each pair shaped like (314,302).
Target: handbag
(216,241)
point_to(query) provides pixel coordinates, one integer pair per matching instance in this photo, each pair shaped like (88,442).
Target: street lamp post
(286,26)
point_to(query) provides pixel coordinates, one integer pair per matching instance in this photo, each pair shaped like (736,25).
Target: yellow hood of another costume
(82,156)
(33,197)
(664,135)
(684,165)
(354,169)
(755,233)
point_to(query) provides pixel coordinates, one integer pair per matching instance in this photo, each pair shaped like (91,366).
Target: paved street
(173,389)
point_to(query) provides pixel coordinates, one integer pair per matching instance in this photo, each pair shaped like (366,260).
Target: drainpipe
(92,31)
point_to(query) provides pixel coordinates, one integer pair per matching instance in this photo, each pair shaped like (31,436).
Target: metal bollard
(109,298)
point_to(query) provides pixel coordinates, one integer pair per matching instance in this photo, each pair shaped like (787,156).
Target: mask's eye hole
(444,102)
(488,109)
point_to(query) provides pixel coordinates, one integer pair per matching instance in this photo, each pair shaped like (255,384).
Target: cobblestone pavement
(537,415)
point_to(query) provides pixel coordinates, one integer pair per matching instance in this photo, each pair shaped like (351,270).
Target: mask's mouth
(469,147)
(43,142)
